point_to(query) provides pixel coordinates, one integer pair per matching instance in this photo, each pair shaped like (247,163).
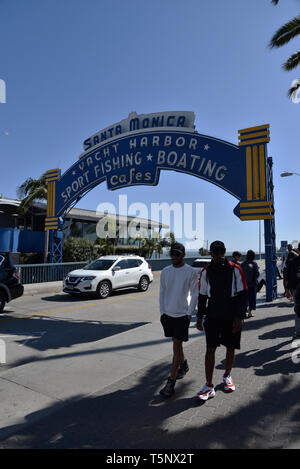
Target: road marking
(34,336)
(73,308)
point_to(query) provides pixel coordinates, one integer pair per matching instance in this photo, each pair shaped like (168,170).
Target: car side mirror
(116,269)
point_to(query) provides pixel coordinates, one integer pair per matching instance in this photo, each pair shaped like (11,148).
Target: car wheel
(144,284)
(2,301)
(103,289)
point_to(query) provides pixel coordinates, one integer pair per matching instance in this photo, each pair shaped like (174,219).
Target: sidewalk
(129,413)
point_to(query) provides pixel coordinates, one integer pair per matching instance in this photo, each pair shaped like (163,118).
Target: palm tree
(284,34)
(28,192)
(167,240)
(106,244)
(31,190)
(150,245)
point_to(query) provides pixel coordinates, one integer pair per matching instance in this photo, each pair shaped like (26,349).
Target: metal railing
(39,273)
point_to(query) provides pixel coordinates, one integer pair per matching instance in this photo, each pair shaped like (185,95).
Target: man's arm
(162,291)
(241,292)
(202,298)
(297,301)
(194,290)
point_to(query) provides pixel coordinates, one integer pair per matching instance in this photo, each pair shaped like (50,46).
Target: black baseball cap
(217,246)
(177,247)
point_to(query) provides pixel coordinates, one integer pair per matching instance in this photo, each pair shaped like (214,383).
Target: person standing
(293,285)
(176,282)
(251,271)
(222,302)
(287,258)
(236,257)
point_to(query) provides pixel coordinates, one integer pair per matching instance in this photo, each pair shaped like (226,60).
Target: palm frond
(24,188)
(287,32)
(292,61)
(293,91)
(275,2)
(37,193)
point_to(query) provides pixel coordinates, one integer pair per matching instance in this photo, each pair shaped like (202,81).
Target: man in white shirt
(176,282)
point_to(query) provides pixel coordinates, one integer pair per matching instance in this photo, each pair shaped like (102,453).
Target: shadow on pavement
(48,333)
(133,417)
(66,297)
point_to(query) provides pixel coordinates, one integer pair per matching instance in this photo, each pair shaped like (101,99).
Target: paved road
(49,322)
(81,405)
(60,349)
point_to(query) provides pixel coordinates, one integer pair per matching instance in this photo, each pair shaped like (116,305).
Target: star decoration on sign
(73,173)
(206,147)
(149,157)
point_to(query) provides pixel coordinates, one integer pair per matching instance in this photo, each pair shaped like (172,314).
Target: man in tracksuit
(293,284)
(223,303)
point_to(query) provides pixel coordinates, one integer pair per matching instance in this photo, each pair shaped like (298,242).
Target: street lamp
(286,174)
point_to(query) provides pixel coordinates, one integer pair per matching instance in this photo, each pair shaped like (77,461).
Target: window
(132,263)
(100,264)
(122,264)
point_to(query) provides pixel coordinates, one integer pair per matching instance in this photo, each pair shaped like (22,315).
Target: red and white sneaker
(207,392)
(228,383)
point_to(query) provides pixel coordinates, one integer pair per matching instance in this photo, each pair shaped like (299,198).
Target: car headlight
(89,277)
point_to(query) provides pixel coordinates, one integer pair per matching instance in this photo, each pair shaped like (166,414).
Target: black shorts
(177,328)
(218,331)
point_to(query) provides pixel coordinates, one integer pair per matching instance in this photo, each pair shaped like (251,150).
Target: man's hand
(199,325)
(237,325)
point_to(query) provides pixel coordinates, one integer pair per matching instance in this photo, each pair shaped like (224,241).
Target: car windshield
(200,263)
(100,264)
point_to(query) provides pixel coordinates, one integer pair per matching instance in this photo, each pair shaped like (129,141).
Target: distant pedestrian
(222,304)
(293,284)
(297,301)
(236,257)
(251,271)
(287,258)
(177,281)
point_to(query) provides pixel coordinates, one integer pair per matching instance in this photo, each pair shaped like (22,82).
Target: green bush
(77,250)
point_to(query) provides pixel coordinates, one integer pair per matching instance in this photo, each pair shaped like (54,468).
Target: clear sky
(73,67)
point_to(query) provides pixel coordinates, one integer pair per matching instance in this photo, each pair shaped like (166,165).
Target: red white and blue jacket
(222,291)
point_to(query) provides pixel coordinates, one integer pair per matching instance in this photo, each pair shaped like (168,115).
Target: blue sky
(73,67)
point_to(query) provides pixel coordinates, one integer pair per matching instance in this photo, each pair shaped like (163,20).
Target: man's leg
(229,361)
(178,357)
(209,365)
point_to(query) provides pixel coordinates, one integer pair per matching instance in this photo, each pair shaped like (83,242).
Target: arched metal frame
(136,158)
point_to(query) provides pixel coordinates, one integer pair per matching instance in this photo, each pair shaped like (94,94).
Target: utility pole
(259,241)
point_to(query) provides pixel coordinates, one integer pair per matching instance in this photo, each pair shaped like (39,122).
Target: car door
(121,277)
(135,271)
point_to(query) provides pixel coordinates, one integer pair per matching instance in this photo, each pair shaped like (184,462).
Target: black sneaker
(183,369)
(168,390)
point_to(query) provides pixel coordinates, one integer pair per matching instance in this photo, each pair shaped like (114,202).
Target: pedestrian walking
(287,258)
(293,285)
(177,281)
(222,304)
(236,257)
(251,271)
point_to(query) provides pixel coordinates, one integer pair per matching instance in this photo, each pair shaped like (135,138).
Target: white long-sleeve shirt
(176,283)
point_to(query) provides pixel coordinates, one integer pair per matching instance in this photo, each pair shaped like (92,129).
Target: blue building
(25,233)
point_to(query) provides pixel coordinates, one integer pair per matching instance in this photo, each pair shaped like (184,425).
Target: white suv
(109,273)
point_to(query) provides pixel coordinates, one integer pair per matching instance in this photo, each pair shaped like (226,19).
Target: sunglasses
(175,253)
(219,251)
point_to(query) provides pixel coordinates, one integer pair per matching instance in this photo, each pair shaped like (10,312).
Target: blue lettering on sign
(138,159)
